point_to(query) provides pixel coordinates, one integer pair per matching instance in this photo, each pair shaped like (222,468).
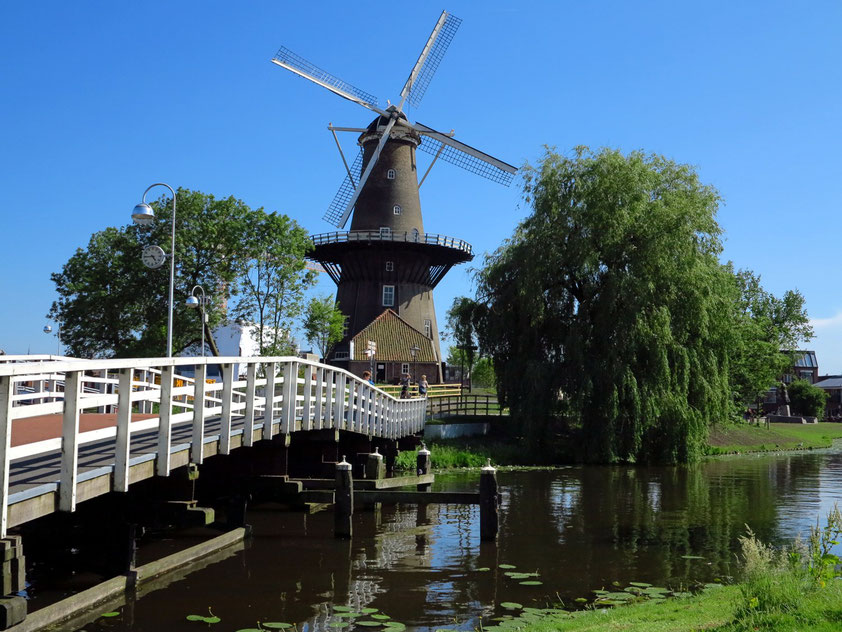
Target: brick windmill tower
(386,266)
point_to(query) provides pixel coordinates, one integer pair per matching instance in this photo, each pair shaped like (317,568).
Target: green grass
(467,452)
(734,438)
(795,588)
(712,610)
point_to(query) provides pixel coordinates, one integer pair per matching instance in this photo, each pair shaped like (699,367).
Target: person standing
(422,386)
(405,381)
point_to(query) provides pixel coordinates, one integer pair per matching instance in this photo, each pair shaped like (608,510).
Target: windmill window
(415,234)
(428,328)
(397,209)
(346,325)
(388,295)
(390,266)
(390,174)
(385,232)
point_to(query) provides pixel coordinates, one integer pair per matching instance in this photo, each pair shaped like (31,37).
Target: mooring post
(422,466)
(375,468)
(489,520)
(343,500)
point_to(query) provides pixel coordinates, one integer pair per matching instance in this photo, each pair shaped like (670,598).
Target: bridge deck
(54,453)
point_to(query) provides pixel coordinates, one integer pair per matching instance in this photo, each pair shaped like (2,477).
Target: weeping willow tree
(609,307)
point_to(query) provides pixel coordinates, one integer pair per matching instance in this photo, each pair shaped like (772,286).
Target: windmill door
(381,372)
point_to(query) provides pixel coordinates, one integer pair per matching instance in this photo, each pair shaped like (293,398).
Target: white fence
(299,395)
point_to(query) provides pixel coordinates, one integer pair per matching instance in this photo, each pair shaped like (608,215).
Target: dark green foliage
(324,323)
(806,399)
(763,326)
(111,305)
(623,322)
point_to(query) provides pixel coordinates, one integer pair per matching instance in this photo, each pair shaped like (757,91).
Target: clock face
(153,257)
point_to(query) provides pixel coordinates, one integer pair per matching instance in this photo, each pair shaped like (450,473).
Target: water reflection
(579,528)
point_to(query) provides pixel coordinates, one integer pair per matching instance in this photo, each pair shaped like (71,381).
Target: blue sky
(101,99)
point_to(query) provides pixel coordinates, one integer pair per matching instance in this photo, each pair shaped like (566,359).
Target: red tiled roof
(394,337)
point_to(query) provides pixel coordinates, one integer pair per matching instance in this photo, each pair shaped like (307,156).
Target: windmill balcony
(409,237)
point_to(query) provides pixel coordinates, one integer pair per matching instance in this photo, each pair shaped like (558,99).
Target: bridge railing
(265,395)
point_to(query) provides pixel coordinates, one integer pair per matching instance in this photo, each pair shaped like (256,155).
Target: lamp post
(48,330)
(414,349)
(192,302)
(144,215)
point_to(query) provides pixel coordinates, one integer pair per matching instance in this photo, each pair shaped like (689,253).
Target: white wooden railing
(301,396)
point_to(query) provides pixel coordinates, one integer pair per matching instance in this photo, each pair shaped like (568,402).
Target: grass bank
(466,452)
(738,438)
(717,610)
(795,588)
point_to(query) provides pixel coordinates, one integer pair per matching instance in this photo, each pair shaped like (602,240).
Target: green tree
(461,325)
(271,280)
(324,324)
(765,327)
(623,322)
(110,305)
(806,399)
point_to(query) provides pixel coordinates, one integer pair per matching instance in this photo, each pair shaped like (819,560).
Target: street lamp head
(192,302)
(143,214)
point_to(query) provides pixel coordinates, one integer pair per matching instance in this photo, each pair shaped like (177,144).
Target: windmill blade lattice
(286,56)
(453,155)
(431,63)
(336,210)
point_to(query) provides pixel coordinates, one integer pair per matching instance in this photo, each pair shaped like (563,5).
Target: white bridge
(71,429)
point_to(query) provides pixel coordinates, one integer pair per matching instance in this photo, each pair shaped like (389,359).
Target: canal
(572,530)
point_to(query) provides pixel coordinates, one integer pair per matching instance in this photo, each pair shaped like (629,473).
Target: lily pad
(338,624)
(531,582)
(395,626)
(511,605)
(483,569)
(506,566)
(580,600)
(369,624)
(212,619)
(275,625)
(342,609)
(640,584)
(110,614)
(195,617)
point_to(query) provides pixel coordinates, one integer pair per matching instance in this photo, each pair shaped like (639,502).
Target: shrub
(807,399)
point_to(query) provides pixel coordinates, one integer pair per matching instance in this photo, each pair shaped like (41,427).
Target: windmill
(386,261)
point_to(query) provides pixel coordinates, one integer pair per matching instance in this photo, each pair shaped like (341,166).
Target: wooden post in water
(422,466)
(343,500)
(375,468)
(489,520)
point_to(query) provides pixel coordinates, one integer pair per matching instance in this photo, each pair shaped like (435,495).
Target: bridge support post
(489,520)
(344,500)
(375,469)
(422,466)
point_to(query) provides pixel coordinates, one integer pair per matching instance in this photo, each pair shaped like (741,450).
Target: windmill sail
(431,56)
(465,156)
(336,210)
(285,58)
